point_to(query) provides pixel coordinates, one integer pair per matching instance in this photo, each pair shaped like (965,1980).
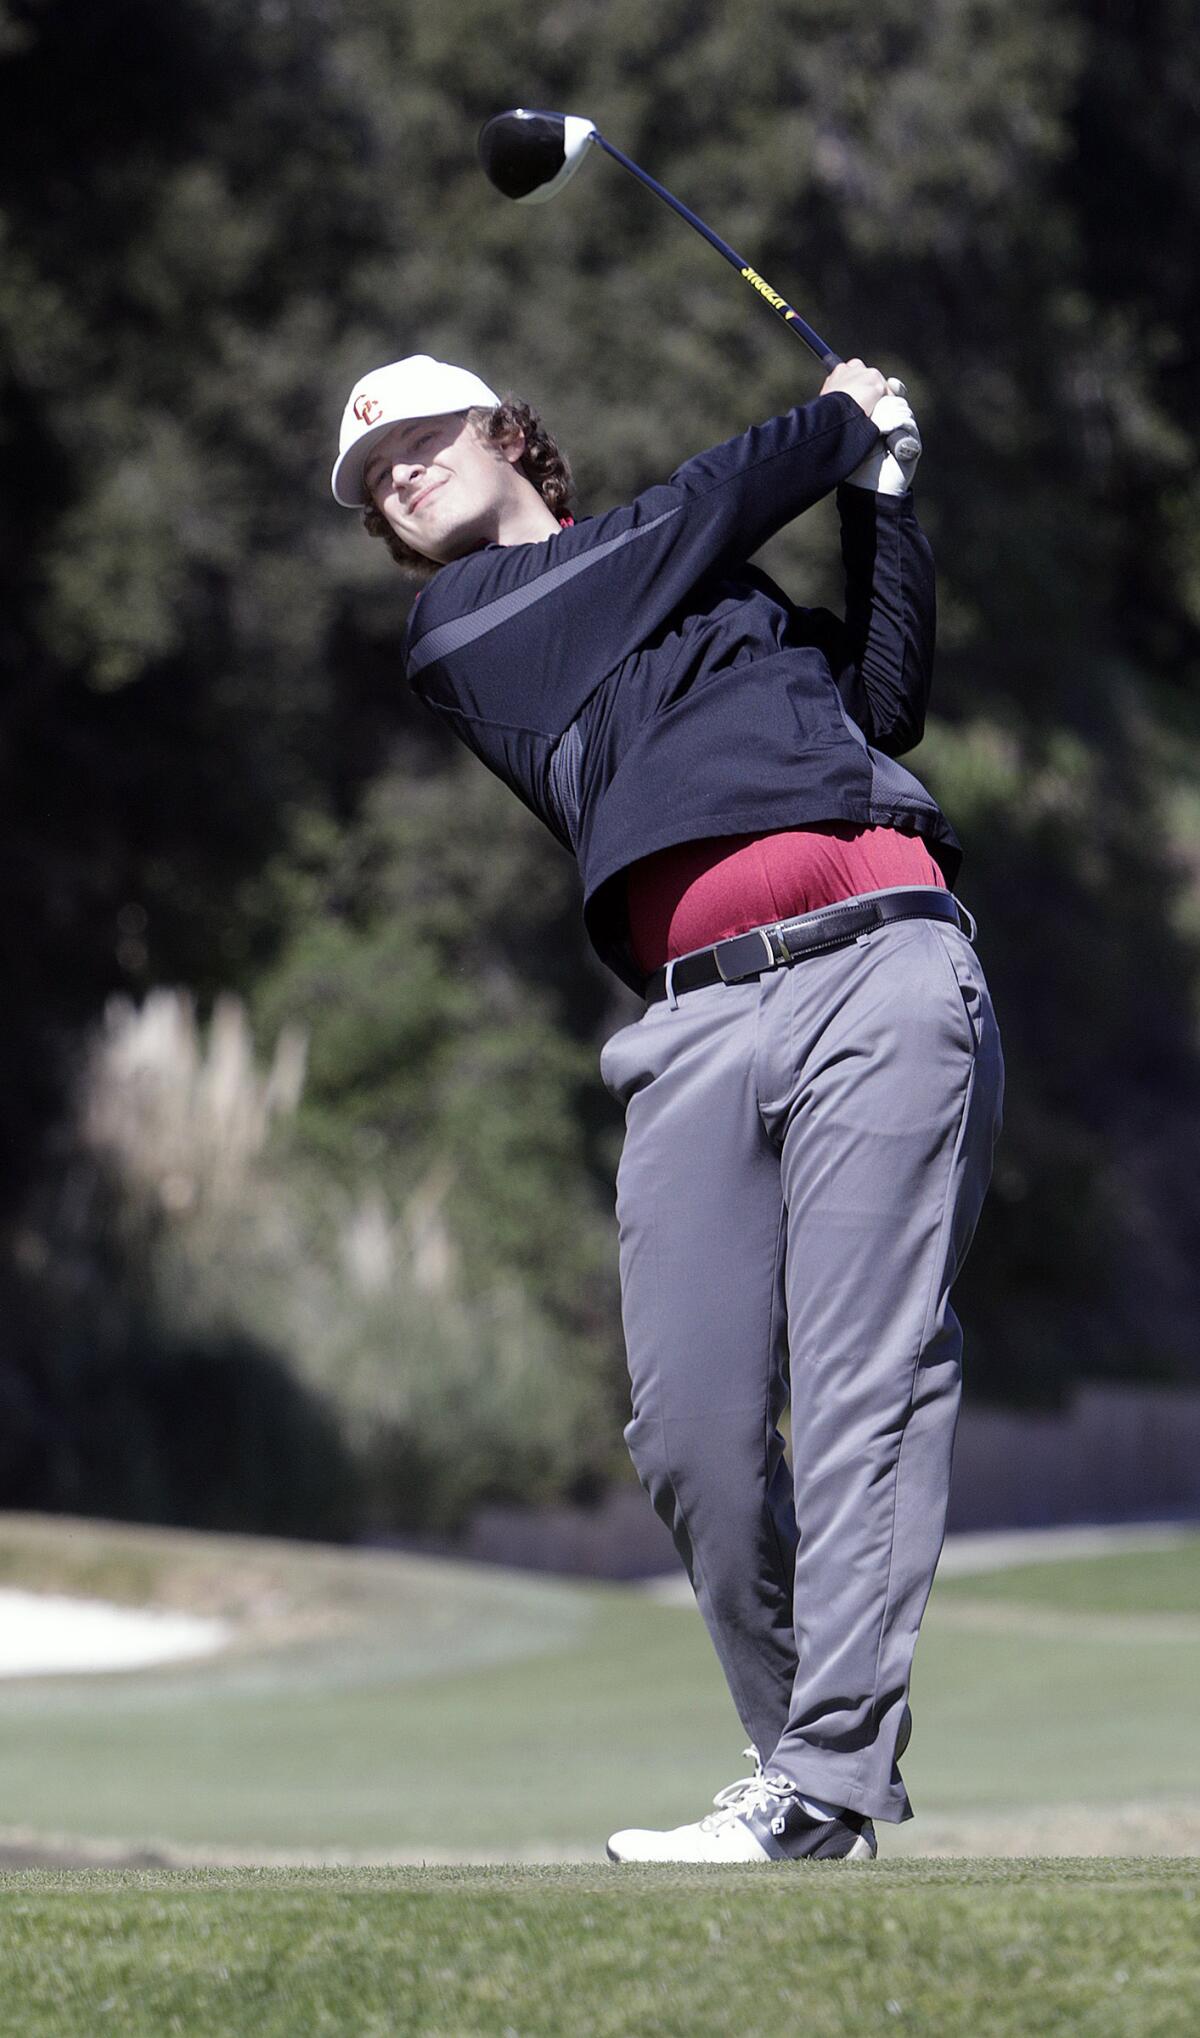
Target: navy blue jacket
(638,684)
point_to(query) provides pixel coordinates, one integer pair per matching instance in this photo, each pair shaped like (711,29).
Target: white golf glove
(885,470)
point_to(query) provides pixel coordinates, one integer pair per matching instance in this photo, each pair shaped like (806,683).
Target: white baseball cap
(418,387)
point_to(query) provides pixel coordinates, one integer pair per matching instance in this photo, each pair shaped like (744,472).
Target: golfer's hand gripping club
(889,468)
(529,155)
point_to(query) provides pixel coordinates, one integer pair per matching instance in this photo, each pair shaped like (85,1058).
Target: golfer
(813,1090)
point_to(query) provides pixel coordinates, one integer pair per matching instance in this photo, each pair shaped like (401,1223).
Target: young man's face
(440,485)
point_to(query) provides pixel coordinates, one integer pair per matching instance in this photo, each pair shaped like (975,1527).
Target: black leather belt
(746,956)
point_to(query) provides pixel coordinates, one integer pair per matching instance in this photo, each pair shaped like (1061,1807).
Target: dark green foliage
(425,943)
(212,218)
(109,1414)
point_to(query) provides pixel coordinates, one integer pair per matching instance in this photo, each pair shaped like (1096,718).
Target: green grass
(1149,1581)
(1079,1950)
(381,1703)
(384,1705)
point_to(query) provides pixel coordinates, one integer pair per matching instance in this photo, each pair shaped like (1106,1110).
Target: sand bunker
(44,1634)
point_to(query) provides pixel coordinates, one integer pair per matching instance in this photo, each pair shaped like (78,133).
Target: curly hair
(542,463)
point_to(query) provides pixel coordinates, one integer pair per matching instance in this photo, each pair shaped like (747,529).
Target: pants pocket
(968,976)
(967,971)
(613,1064)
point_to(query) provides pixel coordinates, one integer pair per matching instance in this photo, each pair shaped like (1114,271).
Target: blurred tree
(423,942)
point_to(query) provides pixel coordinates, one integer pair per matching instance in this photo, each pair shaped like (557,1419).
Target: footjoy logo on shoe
(368,408)
(778,1825)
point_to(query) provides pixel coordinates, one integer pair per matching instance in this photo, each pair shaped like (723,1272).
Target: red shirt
(700,892)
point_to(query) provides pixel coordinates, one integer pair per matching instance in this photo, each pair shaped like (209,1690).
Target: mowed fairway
(380,1707)
(415,1712)
(1101,1950)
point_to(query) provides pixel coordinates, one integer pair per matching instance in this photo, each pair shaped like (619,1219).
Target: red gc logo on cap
(367,408)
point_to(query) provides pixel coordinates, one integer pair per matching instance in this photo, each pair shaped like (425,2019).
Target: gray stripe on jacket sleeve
(460,630)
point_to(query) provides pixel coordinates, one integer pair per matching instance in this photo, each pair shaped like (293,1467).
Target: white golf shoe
(760,1818)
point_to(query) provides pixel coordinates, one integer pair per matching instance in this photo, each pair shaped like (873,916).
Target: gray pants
(805,1161)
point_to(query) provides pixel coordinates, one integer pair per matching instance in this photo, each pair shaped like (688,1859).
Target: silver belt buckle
(747,956)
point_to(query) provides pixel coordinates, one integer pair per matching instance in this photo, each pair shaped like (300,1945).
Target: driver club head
(529,155)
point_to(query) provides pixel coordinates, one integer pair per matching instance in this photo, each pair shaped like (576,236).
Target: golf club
(529,155)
